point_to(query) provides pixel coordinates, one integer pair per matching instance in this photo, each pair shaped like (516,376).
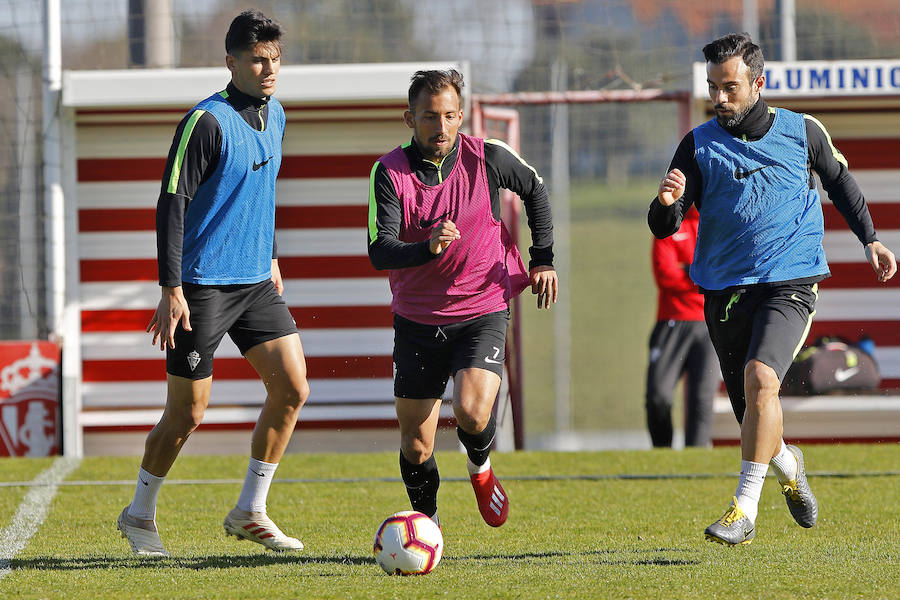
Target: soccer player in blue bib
(759,257)
(218,273)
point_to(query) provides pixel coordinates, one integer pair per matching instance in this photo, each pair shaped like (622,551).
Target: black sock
(478,445)
(422,482)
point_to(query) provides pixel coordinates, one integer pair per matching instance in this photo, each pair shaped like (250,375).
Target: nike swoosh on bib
(426,224)
(743,174)
(257,166)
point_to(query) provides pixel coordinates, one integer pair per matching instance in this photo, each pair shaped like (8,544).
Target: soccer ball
(408,543)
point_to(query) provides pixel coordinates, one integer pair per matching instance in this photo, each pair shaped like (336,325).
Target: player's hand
(442,235)
(171,309)
(671,187)
(276,277)
(544,283)
(882,260)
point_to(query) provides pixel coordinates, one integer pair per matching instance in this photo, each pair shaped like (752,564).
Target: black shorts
(250,314)
(768,323)
(426,356)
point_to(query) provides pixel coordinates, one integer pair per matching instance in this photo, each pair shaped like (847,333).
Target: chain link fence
(615,151)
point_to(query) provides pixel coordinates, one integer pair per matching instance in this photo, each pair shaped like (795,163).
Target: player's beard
(438,153)
(737,118)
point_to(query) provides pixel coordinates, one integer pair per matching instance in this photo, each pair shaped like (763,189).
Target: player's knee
(415,449)
(760,381)
(298,394)
(183,420)
(472,422)
(472,414)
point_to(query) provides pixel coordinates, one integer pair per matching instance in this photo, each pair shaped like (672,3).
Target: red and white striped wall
(341,304)
(852,302)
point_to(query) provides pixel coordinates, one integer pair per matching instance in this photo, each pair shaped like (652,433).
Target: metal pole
(27,165)
(53,193)
(562,317)
(60,315)
(159,34)
(750,20)
(788,31)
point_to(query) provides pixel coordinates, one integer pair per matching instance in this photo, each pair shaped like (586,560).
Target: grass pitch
(582,525)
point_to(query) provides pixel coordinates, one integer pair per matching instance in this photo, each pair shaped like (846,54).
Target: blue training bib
(760,221)
(229,226)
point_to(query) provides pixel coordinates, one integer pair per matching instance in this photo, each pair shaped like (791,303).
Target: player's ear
(409,119)
(229,62)
(759,83)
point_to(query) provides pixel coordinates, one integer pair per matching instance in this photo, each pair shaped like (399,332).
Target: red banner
(29,399)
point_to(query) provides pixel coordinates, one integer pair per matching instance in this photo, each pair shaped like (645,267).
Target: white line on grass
(620,476)
(32,511)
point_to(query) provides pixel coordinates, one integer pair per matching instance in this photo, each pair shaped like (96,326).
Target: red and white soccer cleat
(259,528)
(492,500)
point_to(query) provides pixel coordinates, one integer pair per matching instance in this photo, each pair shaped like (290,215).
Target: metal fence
(512,46)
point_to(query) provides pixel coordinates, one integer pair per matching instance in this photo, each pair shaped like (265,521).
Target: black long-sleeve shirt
(505,169)
(193,165)
(824,160)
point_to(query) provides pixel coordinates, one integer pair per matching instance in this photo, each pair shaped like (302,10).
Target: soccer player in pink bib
(434,222)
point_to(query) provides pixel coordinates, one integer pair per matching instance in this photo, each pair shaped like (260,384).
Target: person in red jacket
(680,344)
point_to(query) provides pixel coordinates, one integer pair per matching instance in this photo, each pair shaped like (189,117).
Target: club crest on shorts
(193,359)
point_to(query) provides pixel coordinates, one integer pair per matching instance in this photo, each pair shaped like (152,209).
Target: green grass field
(613,308)
(581,526)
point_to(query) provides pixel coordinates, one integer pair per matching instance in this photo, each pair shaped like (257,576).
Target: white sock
(476,469)
(785,464)
(750,487)
(434,518)
(144,504)
(256,485)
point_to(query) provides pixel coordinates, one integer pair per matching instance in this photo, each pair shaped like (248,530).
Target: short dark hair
(736,44)
(250,28)
(434,82)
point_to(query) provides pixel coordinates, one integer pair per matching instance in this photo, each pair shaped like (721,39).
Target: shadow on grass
(226,561)
(615,557)
(638,557)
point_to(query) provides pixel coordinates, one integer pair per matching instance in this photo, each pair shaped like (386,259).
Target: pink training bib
(478,273)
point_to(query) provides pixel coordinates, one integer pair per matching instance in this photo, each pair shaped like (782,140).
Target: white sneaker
(257,527)
(141,535)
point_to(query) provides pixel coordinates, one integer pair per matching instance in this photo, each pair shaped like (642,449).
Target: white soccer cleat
(259,528)
(141,535)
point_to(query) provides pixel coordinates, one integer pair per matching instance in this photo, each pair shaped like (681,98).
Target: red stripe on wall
(115,320)
(870,153)
(292,167)
(883,333)
(307,317)
(122,269)
(322,217)
(885,215)
(331,107)
(292,267)
(855,276)
(327,267)
(120,169)
(318,367)
(117,219)
(318,167)
(303,423)
(286,217)
(338,317)
(890,383)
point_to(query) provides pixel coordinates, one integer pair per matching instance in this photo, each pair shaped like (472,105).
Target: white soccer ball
(408,543)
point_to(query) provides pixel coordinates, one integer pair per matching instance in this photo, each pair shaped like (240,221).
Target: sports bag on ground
(831,366)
